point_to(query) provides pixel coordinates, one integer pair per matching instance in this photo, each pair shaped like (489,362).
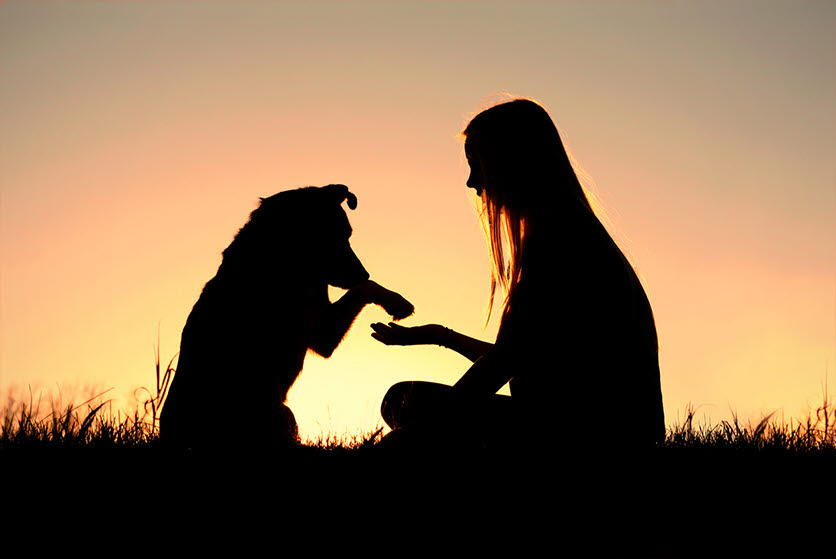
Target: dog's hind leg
(285,428)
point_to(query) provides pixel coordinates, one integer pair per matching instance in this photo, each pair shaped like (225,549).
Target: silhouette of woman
(577,338)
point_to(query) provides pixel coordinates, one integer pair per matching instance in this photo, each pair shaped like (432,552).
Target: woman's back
(582,324)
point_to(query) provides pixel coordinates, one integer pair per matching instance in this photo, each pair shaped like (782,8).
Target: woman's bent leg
(437,411)
(414,402)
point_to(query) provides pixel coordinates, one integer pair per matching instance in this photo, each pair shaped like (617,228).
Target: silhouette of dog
(245,340)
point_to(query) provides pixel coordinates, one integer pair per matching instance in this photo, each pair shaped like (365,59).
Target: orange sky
(138,136)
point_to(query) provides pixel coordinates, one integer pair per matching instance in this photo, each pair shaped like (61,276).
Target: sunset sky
(137,137)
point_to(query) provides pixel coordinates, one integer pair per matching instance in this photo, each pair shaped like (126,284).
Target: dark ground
(671,503)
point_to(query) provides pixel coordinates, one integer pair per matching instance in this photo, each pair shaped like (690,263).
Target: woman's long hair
(526,173)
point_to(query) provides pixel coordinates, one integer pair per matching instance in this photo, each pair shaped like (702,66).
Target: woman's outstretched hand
(395,334)
(430,334)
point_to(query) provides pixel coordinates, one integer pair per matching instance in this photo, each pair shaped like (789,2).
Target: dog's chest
(312,301)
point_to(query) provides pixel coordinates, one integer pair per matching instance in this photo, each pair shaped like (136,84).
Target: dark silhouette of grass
(25,425)
(91,425)
(816,435)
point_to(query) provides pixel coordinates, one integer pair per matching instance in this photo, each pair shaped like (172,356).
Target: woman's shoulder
(580,247)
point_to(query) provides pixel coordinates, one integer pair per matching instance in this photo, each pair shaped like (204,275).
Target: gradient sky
(136,138)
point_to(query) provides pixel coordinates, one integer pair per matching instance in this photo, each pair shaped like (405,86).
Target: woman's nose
(473,181)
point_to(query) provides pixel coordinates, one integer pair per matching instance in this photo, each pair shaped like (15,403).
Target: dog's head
(340,266)
(311,230)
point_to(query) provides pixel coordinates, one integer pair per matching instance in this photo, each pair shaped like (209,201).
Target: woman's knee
(408,401)
(393,403)
(398,390)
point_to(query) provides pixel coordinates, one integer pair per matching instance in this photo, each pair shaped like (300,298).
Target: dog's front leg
(336,319)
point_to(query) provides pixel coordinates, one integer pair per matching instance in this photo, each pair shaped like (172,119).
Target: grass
(92,425)
(816,435)
(25,424)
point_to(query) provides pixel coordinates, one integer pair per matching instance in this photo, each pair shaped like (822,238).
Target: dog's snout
(349,271)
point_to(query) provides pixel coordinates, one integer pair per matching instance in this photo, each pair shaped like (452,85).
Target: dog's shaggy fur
(245,340)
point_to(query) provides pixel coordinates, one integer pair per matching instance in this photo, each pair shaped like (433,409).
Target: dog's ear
(340,193)
(351,200)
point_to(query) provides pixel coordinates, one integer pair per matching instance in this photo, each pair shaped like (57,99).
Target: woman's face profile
(474,181)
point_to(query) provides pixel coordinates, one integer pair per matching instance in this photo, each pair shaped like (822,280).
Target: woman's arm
(471,348)
(431,334)
(487,375)
(491,368)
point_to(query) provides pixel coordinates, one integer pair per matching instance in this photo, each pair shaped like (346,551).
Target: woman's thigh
(420,402)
